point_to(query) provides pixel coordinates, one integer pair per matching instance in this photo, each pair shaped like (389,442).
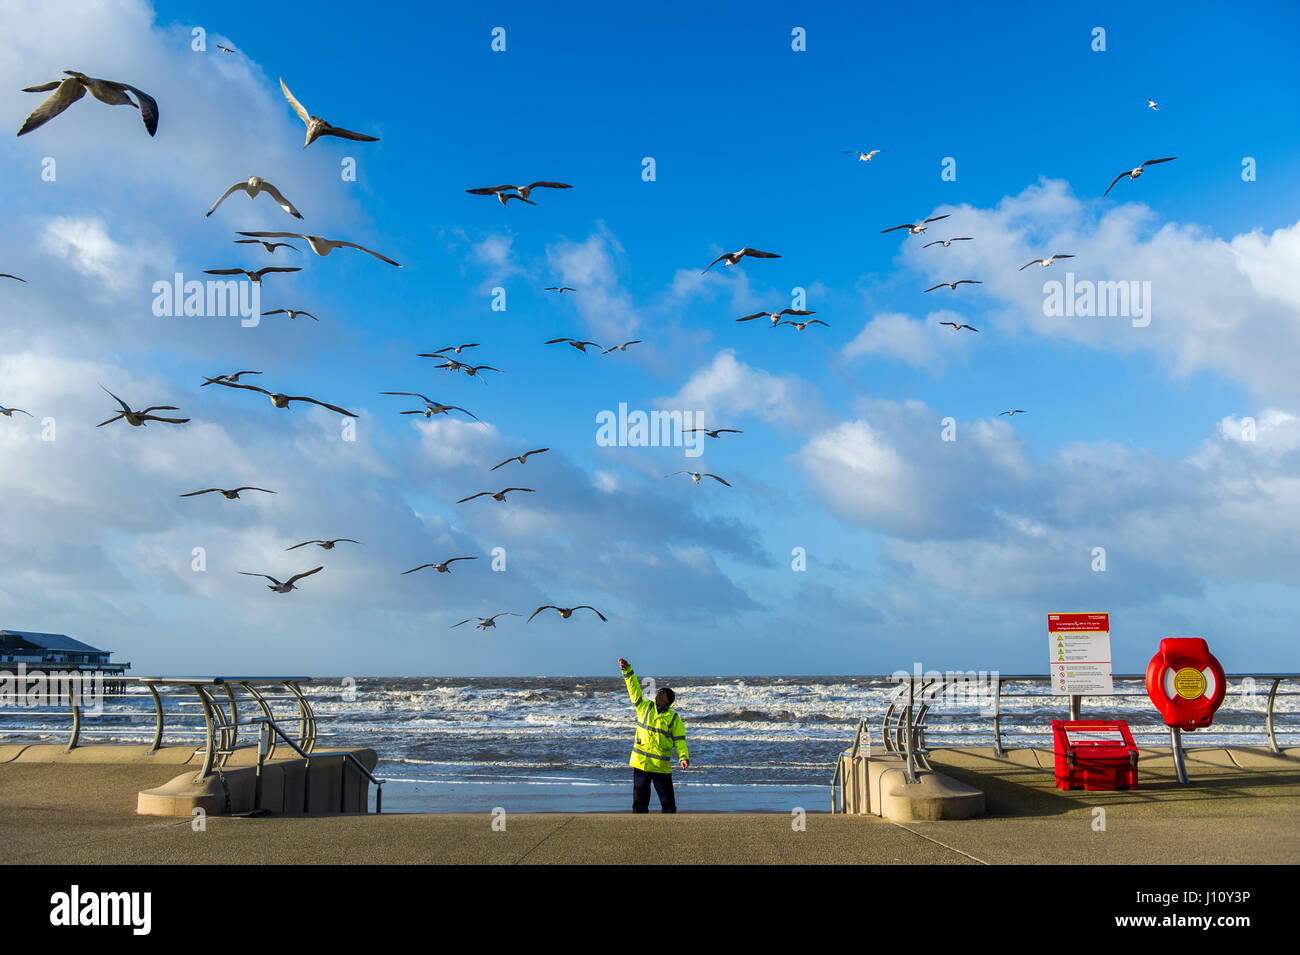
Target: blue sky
(918,550)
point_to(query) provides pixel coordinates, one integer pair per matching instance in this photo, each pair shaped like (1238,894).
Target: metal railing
(904,725)
(267,730)
(125,715)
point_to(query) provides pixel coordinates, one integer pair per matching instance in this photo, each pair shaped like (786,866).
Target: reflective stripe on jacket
(658,734)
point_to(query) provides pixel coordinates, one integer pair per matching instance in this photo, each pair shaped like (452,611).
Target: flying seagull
(1045,262)
(442,568)
(561,289)
(1013,413)
(567,612)
(269,246)
(137,419)
(321,245)
(712,434)
(451,348)
(9,412)
(292,313)
(67,92)
(231,495)
(776,316)
(1135,172)
(622,347)
(6,275)
(912,228)
(431,407)
(953,285)
(956,327)
(947,242)
(317,127)
(226,49)
(254,277)
(485,622)
(802,325)
(581,346)
(521,458)
(224,379)
(732,258)
(325,545)
(472,370)
(282,401)
(253,186)
(696,475)
(288,585)
(504,193)
(1151,104)
(864,157)
(498,496)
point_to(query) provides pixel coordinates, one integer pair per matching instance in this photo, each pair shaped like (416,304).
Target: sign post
(1079,656)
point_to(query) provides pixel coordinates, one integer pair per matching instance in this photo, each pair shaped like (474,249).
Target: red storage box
(1094,754)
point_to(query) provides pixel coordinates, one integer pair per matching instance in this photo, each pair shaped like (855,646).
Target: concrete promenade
(1244,808)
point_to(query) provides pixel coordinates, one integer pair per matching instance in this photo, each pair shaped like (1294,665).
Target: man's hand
(623,664)
(684,763)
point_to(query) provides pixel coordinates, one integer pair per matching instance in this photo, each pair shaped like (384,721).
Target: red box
(1094,754)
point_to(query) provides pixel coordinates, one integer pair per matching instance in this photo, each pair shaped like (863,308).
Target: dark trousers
(663,783)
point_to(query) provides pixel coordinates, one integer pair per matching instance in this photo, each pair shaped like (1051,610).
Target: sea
(561,744)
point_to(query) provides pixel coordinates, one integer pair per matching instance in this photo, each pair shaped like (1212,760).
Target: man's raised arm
(633,684)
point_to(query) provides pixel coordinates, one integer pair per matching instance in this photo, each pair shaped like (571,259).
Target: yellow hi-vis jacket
(657,733)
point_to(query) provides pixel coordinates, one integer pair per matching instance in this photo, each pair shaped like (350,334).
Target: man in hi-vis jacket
(659,731)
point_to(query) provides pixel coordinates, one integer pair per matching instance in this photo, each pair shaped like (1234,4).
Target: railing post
(997,717)
(210,754)
(1272,736)
(262,734)
(158,718)
(74,698)
(908,741)
(1180,769)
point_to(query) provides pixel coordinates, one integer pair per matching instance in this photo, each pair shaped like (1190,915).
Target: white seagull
(957,327)
(1013,413)
(953,285)
(912,228)
(67,92)
(321,245)
(521,458)
(733,258)
(443,568)
(802,325)
(713,434)
(696,475)
(431,407)
(254,277)
(317,127)
(581,346)
(776,316)
(507,192)
(485,622)
(947,242)
(253,186)
(1135,172)
(622,347)
(326,544)
(137,419)
(231,495)
(1151,104)
(1045,262)
(282,401)
(567,612)
(498,496)
(288,585)
(864,157)
(292,313)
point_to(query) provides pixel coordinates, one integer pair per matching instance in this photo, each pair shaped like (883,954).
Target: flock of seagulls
(75,85)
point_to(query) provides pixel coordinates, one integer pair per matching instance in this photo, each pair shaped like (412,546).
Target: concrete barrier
(931,798)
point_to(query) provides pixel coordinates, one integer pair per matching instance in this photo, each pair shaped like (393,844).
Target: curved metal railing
(171,704)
